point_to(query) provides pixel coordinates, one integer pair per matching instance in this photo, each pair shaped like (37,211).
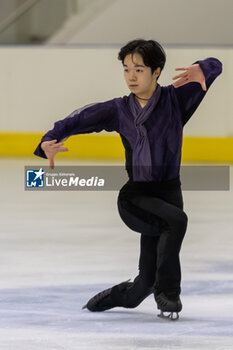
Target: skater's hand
(51,148)
(192,74)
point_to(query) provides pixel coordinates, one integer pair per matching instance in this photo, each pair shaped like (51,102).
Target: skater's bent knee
(181,222)
(184,221)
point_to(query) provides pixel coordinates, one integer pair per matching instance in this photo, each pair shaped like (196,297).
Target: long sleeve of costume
(190,95)
(91,118)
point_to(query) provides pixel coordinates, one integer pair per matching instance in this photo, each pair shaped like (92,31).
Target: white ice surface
(57,249)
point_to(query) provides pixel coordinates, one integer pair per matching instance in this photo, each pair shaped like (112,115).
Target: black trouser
(156,211)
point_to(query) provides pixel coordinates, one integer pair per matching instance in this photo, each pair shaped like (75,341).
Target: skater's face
(139,77)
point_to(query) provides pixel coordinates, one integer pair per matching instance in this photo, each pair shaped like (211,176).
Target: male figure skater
(150,122)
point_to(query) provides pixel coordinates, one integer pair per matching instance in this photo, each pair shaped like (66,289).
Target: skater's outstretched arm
(193,83)
(91,118)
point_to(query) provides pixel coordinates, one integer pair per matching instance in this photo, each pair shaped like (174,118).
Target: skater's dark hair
(151,51)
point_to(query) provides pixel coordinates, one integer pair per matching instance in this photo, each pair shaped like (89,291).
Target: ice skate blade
(172,316)
(84,307)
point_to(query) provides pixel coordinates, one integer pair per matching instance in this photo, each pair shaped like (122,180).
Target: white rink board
(40,85)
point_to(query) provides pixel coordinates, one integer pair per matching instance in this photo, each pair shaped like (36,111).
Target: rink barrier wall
(109,147)
(41,85)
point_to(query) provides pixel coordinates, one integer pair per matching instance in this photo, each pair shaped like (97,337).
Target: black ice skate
(108,298)
(169,305)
